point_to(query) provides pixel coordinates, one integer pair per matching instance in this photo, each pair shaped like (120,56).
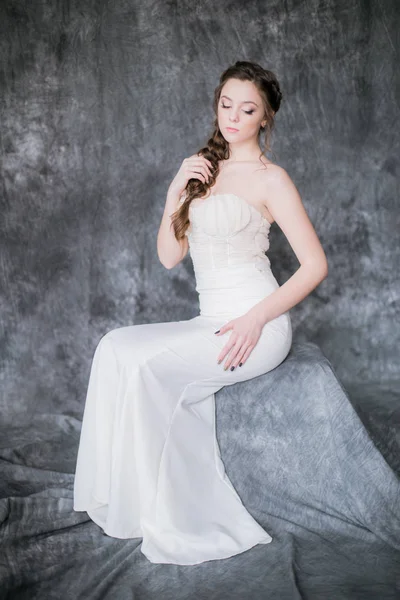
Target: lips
(232,129)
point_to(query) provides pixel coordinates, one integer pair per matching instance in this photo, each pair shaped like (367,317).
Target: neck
(244,153)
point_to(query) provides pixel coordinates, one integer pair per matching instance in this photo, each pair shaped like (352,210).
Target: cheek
(253,124)
(248,126)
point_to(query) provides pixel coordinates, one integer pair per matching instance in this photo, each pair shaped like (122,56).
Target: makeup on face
(243,101)
(249,108)
(238,114)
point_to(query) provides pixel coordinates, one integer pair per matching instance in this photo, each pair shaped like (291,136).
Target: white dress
(149,463)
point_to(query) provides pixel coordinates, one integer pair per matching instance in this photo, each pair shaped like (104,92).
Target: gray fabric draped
(304,457)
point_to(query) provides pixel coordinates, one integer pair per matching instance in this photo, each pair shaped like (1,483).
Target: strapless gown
(149,463)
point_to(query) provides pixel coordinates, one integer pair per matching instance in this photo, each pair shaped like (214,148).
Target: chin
(231,135)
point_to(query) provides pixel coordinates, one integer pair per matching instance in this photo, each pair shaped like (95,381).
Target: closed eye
(248,112)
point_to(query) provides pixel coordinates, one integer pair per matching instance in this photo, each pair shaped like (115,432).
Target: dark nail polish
(240,364)
(217,331)
(232,368)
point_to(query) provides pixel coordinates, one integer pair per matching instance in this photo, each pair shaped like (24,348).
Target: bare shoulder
(274,173)
(270,179)
(283,200)
(276,183)
(286,207)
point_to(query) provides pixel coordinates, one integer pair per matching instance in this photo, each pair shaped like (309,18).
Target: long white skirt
(149,463)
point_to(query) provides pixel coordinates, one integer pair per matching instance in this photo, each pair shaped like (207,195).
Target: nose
(233,116)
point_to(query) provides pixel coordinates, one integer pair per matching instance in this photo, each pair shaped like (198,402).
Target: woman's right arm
(170,250)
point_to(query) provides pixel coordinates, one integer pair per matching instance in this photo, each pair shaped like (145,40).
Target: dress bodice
(225,230)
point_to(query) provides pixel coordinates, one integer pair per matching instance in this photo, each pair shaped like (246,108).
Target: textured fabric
(149,464)
(303,462)
(216,223)
(228,239)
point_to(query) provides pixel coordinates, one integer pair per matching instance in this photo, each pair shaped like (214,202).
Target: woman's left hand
(246,331)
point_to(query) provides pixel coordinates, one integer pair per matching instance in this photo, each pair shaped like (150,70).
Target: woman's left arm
(285,205)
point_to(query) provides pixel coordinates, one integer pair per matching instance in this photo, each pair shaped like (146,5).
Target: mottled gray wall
(100,103)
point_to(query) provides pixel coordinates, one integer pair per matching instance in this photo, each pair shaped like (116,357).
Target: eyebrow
(244,101)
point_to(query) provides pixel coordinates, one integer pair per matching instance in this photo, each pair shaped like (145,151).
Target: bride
(149,463)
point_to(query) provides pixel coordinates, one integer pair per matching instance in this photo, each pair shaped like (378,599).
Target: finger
(195,162)
(224,328)
(232,356)
(208,165)
(206,171)
(201,169)
(233,351)
(246,354)
(197,176)
(203,157)
(239,360)
(226,349)
(193,174)
(225,352)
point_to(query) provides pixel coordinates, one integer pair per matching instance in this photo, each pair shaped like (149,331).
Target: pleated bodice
(228,238)
(225,231)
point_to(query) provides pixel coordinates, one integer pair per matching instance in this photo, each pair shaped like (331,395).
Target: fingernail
(232,368)
(240,364)
(217,331)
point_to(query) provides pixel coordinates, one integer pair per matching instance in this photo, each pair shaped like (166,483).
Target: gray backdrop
(100,103)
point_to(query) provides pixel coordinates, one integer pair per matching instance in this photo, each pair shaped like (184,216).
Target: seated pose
(148,463)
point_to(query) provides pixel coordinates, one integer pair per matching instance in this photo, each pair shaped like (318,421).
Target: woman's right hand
(193,167)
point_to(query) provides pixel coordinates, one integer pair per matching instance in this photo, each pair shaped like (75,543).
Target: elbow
(318,269)
(325,269)
(173,261)
(323,272)
(168,266)
(165,263)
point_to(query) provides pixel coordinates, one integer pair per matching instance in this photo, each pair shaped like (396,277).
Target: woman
(149,463)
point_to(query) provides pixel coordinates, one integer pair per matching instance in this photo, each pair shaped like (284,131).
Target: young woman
(149,463)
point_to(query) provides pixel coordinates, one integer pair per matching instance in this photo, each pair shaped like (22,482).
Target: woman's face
(240,107)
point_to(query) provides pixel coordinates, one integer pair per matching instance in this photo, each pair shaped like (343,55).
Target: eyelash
(248,112)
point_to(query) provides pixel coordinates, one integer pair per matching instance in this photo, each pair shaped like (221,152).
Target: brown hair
(217,148)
